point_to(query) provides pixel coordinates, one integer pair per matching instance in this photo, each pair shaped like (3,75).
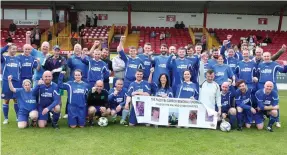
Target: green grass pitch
(117,139)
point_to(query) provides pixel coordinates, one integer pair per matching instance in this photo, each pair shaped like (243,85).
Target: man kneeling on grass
(97,102)
(267,101)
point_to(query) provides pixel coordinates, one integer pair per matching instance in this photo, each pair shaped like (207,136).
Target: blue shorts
(113,107)
(76,115)
(43,117)
(248,115)
(133,118)
(7,94)
(98,110)
(23,115)
(258,117)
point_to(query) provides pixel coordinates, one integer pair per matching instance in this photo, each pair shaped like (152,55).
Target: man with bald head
(48,96)
(28,63)
(259,51)
(41,55)
(228,103)
(267,101)
(97,102)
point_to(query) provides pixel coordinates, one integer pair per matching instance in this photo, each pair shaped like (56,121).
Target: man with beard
(213,60)
(106,59)
(172,50)
(160,63)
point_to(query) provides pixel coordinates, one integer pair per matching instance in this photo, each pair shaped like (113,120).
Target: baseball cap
(56,47)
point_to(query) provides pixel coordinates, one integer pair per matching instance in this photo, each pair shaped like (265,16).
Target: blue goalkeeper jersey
(264,99)
(246,71)
(132,65)
(267,71)
(222,73)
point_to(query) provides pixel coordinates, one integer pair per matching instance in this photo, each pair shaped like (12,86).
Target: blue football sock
(232,120)
(66,109)
(5,108)
(125,114)
(56,117)
(16,108)
(240,119)
(272,120)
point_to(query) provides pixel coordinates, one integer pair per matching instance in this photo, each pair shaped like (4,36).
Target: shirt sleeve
(56,98)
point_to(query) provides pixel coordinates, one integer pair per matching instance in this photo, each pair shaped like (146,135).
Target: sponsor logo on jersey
(133,66)
(232,65)
(12,64)
(266,102)
(96,69)
(30,101)
(119,100)
(188,89)
(246,101)
(266,71)
(246,69)
(79,91)
(162,65)
(182,66)
(46,94)
(225,103)
(219,74)
(147,63)
(26,64)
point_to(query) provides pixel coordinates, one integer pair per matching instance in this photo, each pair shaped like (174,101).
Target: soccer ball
(225,126)
(103,121)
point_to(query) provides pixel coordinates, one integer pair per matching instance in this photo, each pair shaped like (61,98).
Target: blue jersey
(26,100)
(222,73)
(227,100)
(264,99)
(42,57)
(147,65)
(245,100)
(142,86)
(28,64)
(231,62)
(119,99)
(186,90)
(12,66)
(267,71)
(246,71)
(195,65)
(48,96)
(238,56)
(74,63)
(77,92)
(132,65)
(97,70)
(156,91)
(211,63)
(177,66)
(160,67)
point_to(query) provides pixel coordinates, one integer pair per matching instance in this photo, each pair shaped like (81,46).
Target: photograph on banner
(173,112)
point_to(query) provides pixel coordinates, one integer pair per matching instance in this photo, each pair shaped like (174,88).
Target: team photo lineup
(238,84)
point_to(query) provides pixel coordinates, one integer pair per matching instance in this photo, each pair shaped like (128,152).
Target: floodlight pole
(280,19)
(204,16)
(129,17)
